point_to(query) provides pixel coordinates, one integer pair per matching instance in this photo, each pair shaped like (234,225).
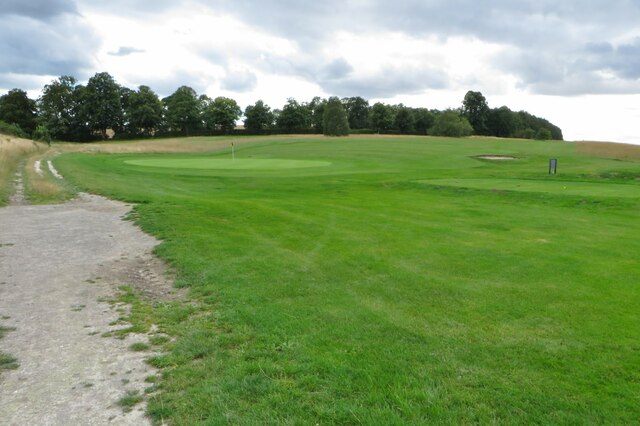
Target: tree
(404,121)
(56,107)
(381,117)
(450,123)
(258,116)
(423,120)
(336,122)
(503,122)
(183,110)
(103,104)
(16,108)
(221,114)
(317,107)
(294,116)
(476,110)
(358,112)
(143,111)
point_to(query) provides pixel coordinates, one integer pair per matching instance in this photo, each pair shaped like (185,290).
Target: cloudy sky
(575,63)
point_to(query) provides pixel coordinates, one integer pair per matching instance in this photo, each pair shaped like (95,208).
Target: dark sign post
(553,166)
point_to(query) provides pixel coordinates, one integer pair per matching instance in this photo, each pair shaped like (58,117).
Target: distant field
(392,281)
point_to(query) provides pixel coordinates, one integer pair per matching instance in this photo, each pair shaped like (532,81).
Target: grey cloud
(63,45)
(388,82)
(165,86)
(336,69)
(559,29)
(597,69)
(126,51)
(239,81)
(37,9)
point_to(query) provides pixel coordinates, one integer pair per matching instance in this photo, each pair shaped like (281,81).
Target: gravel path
(56,263)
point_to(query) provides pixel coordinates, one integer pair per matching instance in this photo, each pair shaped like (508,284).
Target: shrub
(450,123)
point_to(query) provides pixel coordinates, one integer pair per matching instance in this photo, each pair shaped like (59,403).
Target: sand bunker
(496,157)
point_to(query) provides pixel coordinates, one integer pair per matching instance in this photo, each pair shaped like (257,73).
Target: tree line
(70,111)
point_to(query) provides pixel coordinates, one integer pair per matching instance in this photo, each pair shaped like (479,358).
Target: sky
(572,62)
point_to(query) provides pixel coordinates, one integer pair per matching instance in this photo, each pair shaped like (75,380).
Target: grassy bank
(12,152)
(405,282)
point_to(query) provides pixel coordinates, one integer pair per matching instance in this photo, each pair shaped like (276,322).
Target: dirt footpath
(56,263)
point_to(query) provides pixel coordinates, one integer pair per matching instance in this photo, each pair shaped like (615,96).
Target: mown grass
(360,293)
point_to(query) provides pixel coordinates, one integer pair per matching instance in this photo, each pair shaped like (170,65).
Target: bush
(41,133)
(543,134)
(12,130)
(451,124)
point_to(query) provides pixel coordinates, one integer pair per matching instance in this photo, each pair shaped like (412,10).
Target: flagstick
(233,152)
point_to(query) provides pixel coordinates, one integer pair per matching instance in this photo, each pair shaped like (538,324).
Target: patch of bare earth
(58,263)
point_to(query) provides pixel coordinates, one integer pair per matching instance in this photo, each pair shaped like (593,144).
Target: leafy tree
(183,110)
(404,121)
(423,120)
(357,111)
(503,122)
(381,117)
(317,107)
(476,110)
(294,116)
(79,129)
(336,122)
(56,107)
(258,116)
(103,104)
(16,108)
(450,123)
(221,114)
(143,111)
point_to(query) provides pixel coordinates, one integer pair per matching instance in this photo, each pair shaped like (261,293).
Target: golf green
(227,164)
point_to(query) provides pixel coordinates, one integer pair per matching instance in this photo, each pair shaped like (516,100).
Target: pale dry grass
(43,188)
(12,151)
(172,145)
(619,151)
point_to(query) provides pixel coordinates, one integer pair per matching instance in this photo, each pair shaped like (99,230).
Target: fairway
(228,164)
(548,186)
(392,280)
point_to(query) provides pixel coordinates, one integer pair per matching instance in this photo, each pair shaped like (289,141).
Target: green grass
(7,362)
(405,283)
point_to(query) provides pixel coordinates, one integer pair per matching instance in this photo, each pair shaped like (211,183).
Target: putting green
(593,189)
(227,164)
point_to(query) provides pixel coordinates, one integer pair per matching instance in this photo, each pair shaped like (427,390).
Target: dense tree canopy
(381,117)
(143,111)
(336,122)
(258,117)
(183,110)
(69,111)
(404,120)
(16,108)
(450,123)
(294,116)
(56,106)
(358,112)
(476,109)
(103,104)
(221,113)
